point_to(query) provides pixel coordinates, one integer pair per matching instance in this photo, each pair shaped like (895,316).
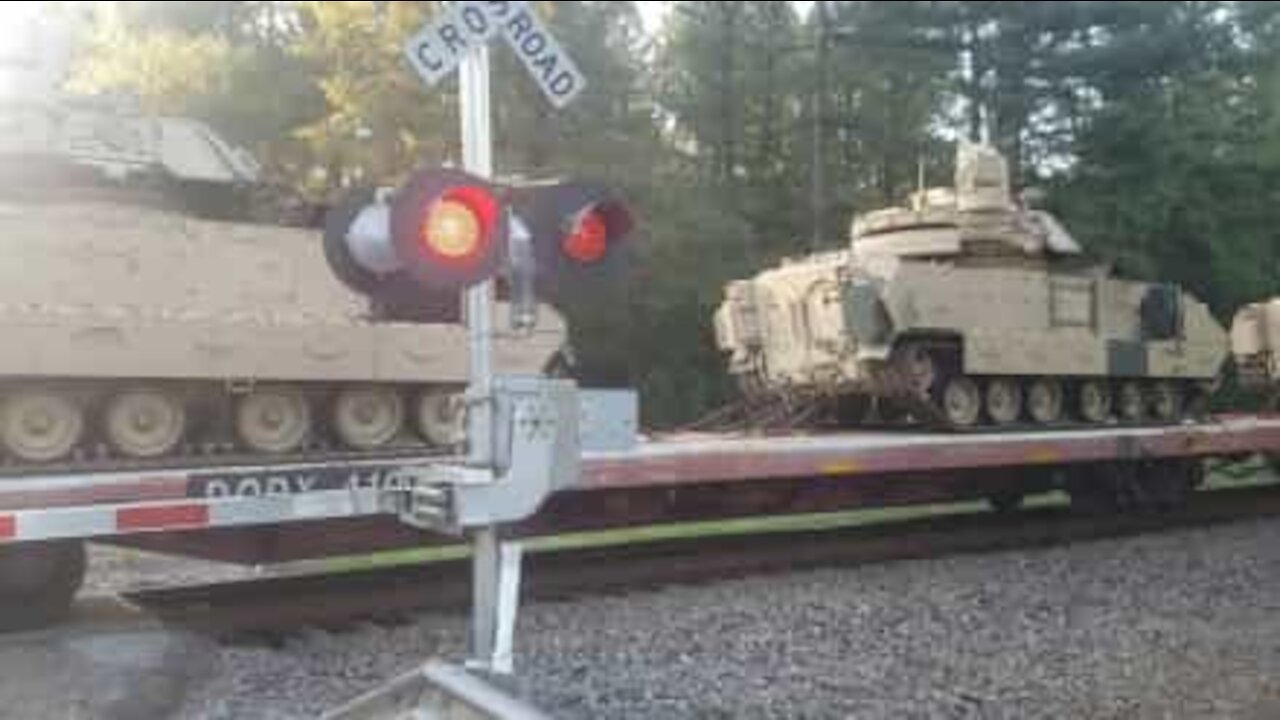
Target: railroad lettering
(370,481)
(452,38)
(550,67)
(563,84)
(270,486)
(476,20)
(427,57)
(519,25)
(500,9)
(398,481)
(533,45)
(380,480)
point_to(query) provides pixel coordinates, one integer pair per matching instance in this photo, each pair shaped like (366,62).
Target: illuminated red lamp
(588,239)
(457,228)
(449,229)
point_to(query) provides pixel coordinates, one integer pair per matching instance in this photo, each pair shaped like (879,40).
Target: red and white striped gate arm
(93,521)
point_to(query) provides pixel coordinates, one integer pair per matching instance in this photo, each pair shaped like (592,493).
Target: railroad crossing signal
(438,48)
(445,230)
(450,227)
(577,231)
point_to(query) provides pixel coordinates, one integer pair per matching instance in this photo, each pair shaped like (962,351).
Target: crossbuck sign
(437,49)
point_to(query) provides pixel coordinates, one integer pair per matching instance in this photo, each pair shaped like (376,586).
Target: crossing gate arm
(100,521)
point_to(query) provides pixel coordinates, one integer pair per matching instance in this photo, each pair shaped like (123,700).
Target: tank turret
(977,219)
(965,307)
(53,141)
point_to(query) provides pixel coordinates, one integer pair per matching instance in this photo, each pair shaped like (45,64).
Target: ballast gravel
(1183,625)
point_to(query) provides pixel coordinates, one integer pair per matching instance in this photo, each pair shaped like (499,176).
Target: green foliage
(377,122)
(166,70)
(1173,178)
(729,83)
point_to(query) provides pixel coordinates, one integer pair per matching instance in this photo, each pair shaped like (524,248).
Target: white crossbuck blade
(438,48)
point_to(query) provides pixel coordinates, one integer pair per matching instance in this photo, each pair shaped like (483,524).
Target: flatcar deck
(689,459)
(129,502)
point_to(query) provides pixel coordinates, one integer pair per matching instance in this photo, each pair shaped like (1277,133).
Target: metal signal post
(477,159)
(494,567)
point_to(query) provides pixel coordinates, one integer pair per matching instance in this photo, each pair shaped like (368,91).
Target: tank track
(898,404)
(210,425)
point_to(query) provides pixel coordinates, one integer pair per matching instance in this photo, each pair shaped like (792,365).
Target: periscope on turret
(964,308)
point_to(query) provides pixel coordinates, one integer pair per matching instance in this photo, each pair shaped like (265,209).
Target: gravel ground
(1176,626)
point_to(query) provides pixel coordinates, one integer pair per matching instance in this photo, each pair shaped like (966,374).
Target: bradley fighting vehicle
(137,326)
(966,308)
(1255,339)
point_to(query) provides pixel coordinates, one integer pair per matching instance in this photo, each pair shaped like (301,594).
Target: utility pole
(818,190)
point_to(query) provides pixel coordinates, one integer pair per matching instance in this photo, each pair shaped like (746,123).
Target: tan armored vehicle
(966,308)
(135,328)
(1255,337)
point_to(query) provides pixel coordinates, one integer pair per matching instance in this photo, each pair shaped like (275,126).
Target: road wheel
(1166,401)
(1094,402)
(1131,403)
(274,420)
(1004,401)
(145,423)
(962,401)
(368,417)
(40,425)
(1044,401)
(441,418)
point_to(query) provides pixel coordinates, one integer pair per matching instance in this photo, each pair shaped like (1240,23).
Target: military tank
(967,308)
(145,317)
(1255,334)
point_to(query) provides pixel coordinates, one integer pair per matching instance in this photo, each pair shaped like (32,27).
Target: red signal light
(412,249)
(457,228)
(449,229)
(588,238)
(578,232)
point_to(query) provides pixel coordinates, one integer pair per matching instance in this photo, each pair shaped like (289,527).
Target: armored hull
(966,309)
(149,332)
(137,326)
(1255,337)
